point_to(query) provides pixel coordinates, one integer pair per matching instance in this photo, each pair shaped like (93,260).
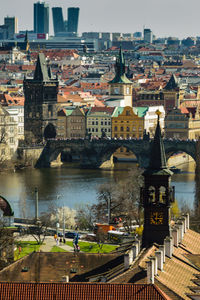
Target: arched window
(152,194)
(162,194)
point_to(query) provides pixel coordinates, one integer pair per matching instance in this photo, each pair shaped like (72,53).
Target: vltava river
(70,186)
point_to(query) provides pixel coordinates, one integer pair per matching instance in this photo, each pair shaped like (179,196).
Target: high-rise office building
(73,15)
(58,21)
(41,17)
(148,35)
(12,26)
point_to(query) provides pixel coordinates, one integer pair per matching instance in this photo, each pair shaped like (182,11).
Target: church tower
(121,86)
(40,115)
(156,195)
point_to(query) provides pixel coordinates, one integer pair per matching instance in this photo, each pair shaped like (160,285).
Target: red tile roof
(80,291)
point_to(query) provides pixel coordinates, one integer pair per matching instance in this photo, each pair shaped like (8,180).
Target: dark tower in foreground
(157,194)
(40,116)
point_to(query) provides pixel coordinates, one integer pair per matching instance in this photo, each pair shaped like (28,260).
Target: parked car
(70,234)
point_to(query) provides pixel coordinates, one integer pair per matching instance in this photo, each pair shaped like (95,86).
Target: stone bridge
(93,153)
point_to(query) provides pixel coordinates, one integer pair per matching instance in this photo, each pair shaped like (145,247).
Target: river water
(70,186)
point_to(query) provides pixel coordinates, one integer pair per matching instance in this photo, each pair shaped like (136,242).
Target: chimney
(126,261)
(135,249)
(175,236)
(162,248)
(168,243)
(159,255)
(131,257)
(65,279)
(154,259)
(187,216)
(150,272)
(183,220)
(181,230)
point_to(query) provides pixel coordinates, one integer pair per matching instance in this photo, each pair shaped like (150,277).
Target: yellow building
(126,123)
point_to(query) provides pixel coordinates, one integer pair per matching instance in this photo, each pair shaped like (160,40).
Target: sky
(179,18)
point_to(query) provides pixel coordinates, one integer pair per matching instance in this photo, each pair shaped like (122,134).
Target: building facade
(99,121)
(41,17)
(40,113)
(72,22)
(58,21)
(71,123)
(12,26)
(8,136)
(183,123)
(127,124)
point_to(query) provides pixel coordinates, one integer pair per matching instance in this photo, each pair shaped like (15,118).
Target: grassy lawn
(26,248)
(57,249)
(93,247)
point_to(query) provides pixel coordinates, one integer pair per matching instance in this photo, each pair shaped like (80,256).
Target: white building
(17,112)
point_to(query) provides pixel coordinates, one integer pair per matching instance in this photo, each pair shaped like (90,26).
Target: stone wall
(28,156)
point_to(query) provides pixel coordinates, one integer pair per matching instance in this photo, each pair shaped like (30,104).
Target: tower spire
(158,157)
(120,76)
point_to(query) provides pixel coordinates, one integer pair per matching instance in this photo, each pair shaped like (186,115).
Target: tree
(120,200)
(62,214)
(40,230)
(84,217)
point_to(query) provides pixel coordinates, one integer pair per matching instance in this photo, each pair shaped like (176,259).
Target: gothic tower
(121,85)
(40,115)
(156,194)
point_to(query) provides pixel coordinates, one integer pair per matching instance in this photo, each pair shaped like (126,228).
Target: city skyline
(164,18)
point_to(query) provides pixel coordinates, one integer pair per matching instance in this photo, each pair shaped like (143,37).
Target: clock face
(156,218)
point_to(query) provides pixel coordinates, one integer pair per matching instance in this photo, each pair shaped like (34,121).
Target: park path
(49,242)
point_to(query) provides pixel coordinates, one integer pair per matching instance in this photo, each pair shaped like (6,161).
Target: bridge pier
(108,164)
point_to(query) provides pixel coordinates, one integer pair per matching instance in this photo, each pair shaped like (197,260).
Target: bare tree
(120,200)
(84,217)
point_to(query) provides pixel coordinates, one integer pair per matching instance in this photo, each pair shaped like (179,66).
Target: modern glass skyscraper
(12,26)
(58,21)
(41,17)
(72,24)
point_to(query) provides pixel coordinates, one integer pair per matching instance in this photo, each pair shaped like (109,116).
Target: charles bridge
(93,153)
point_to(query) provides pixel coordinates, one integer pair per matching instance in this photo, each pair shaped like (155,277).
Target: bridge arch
(49,131)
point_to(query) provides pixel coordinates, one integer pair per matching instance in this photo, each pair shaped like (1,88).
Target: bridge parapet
(96,151)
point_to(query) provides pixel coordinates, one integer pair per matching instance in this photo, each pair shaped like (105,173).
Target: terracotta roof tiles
(80,291)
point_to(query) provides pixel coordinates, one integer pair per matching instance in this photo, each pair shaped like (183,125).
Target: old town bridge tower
(156,195)
(40,115)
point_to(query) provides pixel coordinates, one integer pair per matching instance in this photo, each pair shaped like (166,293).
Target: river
(70,186)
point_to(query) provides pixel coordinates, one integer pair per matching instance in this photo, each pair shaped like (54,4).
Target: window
(92,122)
(11,129)
(128,113)
(96,129)
(122,128)
(127,129)
(105,123)
(11,140)
(101,122)
(115,128)
(96,122)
